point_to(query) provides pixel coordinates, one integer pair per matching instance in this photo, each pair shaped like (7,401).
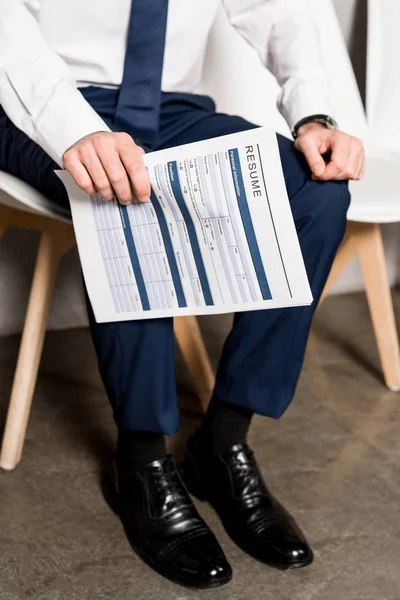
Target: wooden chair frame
(57,237)
(365,241)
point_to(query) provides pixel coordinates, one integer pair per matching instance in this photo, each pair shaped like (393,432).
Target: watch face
(329,122)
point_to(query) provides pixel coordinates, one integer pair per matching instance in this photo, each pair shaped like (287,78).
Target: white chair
(376,200)
(241,85)
(22,206)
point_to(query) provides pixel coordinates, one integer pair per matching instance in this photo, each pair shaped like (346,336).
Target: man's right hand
(111,164)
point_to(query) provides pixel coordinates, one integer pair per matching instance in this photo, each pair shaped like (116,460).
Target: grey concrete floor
(333,459)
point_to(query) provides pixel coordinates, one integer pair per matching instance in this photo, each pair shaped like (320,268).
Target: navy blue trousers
(263,355)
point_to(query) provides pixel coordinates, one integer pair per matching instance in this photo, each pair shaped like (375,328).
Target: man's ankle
(223,426)
(139,448)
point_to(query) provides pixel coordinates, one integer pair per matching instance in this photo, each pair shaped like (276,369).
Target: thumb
(309,147)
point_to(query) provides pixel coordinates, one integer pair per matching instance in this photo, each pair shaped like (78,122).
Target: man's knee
(321,223)
(320,212)
(332,199)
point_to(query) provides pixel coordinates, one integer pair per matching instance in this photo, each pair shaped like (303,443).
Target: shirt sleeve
(285,36)
(37,89)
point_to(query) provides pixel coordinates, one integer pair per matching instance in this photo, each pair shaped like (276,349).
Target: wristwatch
(325,120)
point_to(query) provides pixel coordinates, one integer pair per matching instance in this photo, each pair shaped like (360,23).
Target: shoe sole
(298,565)
(110,495)
(193,485)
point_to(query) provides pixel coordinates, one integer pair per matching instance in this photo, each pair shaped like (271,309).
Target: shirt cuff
(303,100)
(64,122)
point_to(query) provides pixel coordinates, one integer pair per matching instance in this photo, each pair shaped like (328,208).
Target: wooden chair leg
(54,241)
(367,240)
(190,341)
(343,257)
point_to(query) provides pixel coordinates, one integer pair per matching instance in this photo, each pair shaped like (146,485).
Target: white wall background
(18,248)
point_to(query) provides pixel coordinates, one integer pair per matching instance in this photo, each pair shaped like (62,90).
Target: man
(121,54)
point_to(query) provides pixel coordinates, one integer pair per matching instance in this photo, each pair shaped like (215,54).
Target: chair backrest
(383,73)
(234,76)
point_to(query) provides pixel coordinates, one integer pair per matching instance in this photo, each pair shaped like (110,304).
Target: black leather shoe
(255,521)
(163,525)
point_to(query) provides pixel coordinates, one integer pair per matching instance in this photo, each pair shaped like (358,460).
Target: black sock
(223,426)
(140,447)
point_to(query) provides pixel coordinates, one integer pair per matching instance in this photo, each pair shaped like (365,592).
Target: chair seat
(20,195)
(376,198)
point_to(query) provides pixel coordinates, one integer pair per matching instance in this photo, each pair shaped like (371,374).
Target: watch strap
(325,120)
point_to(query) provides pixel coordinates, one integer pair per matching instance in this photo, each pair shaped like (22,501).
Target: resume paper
(217,237)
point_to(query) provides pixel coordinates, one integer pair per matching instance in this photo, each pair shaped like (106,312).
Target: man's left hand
(346,153)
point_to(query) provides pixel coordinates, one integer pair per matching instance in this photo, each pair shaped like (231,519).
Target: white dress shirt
(49,47)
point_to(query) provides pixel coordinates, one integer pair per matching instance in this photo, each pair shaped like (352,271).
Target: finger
(356,161)
(353,163)
(116,173)
(336,168)
(132,159)
(96,170)
(358,169)
(80,175)
(361,166)
(309,146)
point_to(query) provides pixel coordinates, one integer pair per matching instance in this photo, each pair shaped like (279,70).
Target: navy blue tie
(138,106)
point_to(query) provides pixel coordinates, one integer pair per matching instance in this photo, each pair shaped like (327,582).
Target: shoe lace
(169,485)
(249,479)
